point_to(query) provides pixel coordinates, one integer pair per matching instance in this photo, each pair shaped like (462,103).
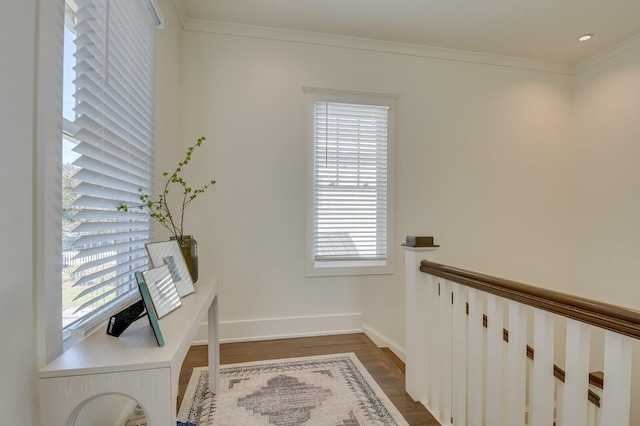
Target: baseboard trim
(383,341)
(292,327)
(283,328)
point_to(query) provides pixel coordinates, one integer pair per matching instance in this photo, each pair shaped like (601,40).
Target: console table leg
(214,347)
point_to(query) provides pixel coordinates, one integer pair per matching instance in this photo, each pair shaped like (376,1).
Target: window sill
(348,268)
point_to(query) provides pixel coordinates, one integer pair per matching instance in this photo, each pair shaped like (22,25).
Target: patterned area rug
(327,390)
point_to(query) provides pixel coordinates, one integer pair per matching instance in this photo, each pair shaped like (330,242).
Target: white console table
(132,364)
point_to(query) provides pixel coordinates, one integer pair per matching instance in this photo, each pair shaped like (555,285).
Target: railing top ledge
(611,317)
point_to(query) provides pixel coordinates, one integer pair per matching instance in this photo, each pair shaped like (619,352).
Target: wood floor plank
(386,369)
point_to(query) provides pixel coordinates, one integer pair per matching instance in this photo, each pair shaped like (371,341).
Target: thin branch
(159,209)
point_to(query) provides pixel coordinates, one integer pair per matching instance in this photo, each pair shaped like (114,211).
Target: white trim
(420,249)
(339,268)
(181,11)
(293,327)
(283,328)
(306,37)
(322,93)
(383,341)
(605,55)
(48,180)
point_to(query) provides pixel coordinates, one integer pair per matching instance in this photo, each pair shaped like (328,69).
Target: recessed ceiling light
(585,37)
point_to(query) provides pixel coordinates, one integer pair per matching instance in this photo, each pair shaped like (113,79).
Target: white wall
(18,358)
(481,155)
(607,211)
(168,99)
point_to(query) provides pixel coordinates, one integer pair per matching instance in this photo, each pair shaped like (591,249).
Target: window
(107,156)
(350,183)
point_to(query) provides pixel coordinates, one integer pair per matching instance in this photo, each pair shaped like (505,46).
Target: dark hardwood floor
(383,365)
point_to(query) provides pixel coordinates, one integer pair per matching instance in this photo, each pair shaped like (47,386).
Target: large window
(107,155)
(350,183)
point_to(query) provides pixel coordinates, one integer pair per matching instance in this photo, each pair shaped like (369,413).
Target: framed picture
(168,253)
(162,290)
(151,312)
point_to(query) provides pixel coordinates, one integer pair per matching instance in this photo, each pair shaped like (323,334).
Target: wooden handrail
(610,317)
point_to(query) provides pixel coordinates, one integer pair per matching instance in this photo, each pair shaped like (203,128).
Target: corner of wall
(383,341)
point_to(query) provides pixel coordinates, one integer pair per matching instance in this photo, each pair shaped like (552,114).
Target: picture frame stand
(119,322)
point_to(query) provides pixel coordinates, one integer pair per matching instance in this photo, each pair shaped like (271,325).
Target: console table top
(136,348)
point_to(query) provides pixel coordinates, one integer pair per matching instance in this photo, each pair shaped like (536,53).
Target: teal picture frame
(148,304)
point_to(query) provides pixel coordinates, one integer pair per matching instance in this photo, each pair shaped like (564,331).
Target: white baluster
(475,355)
(459,373)
(559,402)
(528,406)
(433,339)
(517,367)
(599,415)
(591,415)
(617,379)
(541,405)
(445,352)
(576,382)
(495,360)
(594,410)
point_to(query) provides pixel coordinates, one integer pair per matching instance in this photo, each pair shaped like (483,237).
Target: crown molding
(294,36)
(605,55)
(181,11)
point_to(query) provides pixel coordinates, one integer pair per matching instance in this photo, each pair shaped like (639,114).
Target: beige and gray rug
(327,390)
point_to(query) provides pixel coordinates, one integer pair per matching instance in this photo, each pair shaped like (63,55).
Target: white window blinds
(113,132)
(350,182)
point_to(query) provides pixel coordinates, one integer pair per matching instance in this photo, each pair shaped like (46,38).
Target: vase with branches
(159,210)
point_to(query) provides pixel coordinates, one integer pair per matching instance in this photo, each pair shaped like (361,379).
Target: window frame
(347,267)
(48,129)
(48,180)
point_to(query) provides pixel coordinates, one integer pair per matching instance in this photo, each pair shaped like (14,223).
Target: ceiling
(542,30)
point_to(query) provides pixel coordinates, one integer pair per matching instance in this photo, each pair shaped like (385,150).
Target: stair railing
(468,359)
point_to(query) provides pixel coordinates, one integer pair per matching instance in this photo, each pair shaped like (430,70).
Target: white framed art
(162,290)
(168,253)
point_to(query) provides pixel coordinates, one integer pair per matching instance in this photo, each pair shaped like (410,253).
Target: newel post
(416,320)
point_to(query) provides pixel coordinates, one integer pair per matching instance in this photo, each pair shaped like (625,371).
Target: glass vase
(189,248)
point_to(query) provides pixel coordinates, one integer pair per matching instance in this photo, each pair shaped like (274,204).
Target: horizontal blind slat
(105,227)
(118,268)
(90,176)
(115,257)
(99,250)
(112,236)
(136,177)
(86,188)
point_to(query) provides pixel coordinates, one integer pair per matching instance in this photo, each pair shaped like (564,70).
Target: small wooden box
(415,241)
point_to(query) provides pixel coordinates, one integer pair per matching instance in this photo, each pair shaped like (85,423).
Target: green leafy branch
(159,208)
